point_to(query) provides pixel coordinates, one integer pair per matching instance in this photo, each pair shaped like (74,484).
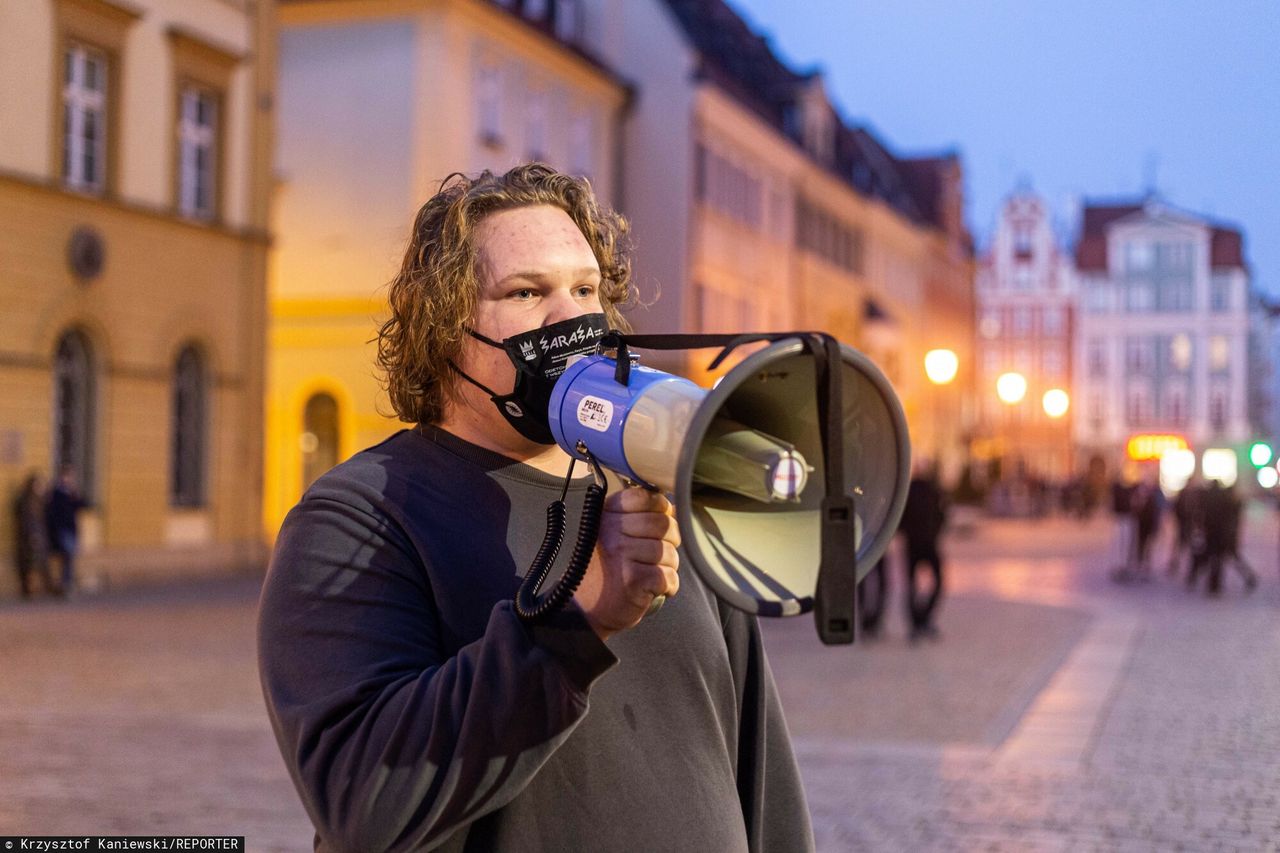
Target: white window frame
(1096,354)
(1181,352)
(1220,295)
(1139,256)
(197,135)
(1219,413)
(1022,321)
(84,163)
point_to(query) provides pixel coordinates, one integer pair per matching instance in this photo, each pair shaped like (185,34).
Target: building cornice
(110,201)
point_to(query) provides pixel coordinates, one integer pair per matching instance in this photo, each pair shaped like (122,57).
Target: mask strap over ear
(458,370)
(479,337)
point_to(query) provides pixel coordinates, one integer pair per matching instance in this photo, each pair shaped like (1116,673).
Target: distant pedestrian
(63,527)
(1121,516)
(922,522)
(872,592)
(1188,518)
(1234,521)
(1146,504)
(1222,517)
(1123,528)
(31,537)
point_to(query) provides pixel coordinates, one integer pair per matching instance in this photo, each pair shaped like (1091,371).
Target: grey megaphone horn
(750,464)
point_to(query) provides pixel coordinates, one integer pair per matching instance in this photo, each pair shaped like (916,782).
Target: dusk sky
(1087,99)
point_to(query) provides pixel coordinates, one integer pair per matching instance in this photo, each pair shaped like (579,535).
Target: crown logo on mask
(527,351)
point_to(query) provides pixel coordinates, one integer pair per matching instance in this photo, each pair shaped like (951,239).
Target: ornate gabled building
(134,172)
(1026,319)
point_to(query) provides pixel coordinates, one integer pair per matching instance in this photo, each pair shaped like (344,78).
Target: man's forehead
(540,239)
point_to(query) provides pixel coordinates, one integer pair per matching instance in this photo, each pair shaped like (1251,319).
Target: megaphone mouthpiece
(750,463)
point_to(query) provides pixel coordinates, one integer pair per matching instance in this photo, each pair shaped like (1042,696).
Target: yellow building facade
(133,253)
(380,100)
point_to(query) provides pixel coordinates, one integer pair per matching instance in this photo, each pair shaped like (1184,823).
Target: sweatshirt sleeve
(391,744)
(769,784)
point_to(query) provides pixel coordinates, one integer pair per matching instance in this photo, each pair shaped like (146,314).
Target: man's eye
(585,290)
(522,295)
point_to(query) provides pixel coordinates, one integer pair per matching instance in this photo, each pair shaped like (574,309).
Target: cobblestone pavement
(1157,728)
(1058,712)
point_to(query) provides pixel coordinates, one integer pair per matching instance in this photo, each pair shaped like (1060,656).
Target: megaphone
(749,467)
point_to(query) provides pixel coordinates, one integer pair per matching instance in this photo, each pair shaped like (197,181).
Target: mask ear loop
(475,382)
(532,607)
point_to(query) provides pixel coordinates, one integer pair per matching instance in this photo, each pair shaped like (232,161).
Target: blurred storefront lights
(940,365)
(1176,468)
(1219,463)
(1268,477)
(1147,446)
(1056,402)
(1011,387)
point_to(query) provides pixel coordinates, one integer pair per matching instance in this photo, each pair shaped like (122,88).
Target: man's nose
(563,307)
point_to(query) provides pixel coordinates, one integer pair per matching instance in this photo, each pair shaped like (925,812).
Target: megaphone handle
(532,607)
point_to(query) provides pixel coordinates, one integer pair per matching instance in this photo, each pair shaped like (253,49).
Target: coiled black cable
(532,607)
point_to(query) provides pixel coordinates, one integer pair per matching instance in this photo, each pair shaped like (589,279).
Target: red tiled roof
(1226,248)
(1091,249)
(1226,245)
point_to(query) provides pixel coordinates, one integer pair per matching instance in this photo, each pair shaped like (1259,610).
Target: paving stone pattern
(1057,712)
(1175,748)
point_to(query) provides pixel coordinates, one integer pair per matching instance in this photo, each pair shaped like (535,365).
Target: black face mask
(539,356)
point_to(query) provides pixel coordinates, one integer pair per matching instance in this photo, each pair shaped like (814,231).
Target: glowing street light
(1260,454)
(940,365)
(1056,402)
(1268,477)
(1011,387)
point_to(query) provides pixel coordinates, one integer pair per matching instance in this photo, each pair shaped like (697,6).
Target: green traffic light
(1260,454)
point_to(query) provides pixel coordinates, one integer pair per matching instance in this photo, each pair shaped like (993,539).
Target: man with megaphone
(414,707)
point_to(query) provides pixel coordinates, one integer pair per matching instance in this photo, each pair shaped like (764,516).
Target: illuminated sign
(1219,463)
(1144,447)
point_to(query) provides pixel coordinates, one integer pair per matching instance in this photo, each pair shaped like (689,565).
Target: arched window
(319,438)
(188,451)
(75,410)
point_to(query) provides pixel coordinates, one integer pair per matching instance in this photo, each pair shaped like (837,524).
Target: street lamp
(1056,402)
(940,365)
(1011,388)
(1260,454)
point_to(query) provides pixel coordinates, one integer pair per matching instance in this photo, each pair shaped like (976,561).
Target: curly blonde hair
(433,297)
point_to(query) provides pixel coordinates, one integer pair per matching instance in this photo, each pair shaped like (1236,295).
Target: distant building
(756,207)
(134,174)
(1025,321)
(379,101)
(1163,337)
(1264,372)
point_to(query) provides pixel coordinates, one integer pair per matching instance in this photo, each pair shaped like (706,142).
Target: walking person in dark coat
(32,541)
(872,592)
(1147,506)
(922,521)
(1188,516)
(63,526)
(1233,521)
(1124,539)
